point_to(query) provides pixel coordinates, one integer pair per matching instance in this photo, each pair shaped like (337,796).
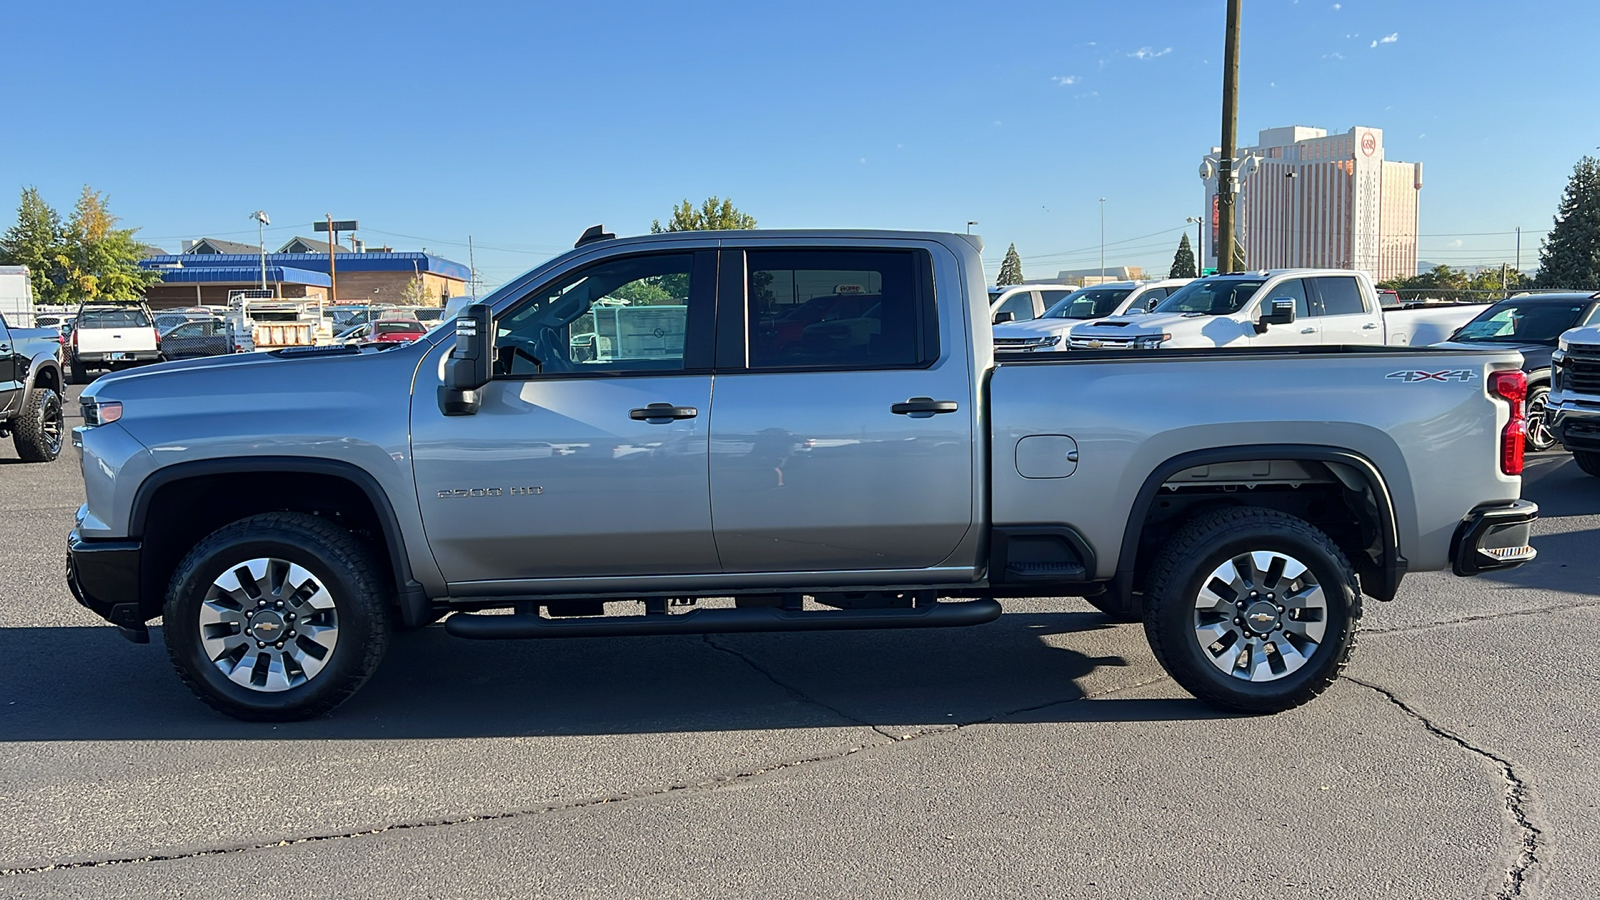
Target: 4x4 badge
(1412,376)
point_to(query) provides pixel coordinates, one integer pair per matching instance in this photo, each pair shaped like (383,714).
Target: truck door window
(1340,296)
(622,315)
(837,309)
(1020,305)
(1294,289)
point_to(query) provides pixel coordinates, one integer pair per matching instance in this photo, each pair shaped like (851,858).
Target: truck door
(588,455)
(1305,330)
(13,369)
(845,444)
(1345,319)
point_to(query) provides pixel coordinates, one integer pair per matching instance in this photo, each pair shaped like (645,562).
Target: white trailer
(16,296)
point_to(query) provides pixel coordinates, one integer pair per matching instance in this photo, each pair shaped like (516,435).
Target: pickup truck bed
(878,470)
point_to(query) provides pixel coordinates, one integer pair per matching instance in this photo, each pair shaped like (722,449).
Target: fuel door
(1047,456)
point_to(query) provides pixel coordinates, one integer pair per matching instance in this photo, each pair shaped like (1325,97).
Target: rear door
(851,446)
(1345,319)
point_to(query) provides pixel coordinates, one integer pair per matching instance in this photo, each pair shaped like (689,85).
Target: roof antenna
(594,233)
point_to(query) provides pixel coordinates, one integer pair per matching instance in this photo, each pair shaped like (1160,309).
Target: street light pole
(262,221)
(970,224)
(1199,243)
(1102,240)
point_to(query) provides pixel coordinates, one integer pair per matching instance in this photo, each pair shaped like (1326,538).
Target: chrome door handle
(1369,326)
(1308,331)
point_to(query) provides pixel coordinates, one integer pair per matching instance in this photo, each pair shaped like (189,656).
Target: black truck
(30,391)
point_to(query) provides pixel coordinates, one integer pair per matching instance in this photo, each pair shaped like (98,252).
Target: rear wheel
(1252,610)
(1588,460)
(276,617)
(77,372)
(37,431)
(1540,437)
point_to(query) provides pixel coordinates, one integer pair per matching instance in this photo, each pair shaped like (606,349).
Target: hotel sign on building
(1322,200)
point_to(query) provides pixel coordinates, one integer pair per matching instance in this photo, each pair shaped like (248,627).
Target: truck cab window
(835,309)
(1340,296)
(622,315)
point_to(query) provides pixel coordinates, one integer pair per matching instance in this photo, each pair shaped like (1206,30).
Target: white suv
(1049,331)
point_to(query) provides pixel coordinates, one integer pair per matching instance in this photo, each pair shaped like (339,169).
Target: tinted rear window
(114,318)
(397,327)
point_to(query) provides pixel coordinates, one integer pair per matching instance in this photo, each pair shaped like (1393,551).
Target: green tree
(415,293)
(715,214)
(1183,260)
(1570,257)
(39,242)
(1010,268)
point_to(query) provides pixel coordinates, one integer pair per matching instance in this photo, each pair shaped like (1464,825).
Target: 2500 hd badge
(491,492)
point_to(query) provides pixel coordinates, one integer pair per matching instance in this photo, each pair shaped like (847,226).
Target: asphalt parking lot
(1044,754)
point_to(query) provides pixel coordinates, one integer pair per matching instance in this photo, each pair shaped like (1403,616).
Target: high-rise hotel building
(1324,200)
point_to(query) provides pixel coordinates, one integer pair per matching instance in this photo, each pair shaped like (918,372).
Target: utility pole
(1519,249)
(1227,186)
(333,271)
(472,265)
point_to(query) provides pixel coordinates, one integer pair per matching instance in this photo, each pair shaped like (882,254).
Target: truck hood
(1145,323)
(263,371)
(1034,328)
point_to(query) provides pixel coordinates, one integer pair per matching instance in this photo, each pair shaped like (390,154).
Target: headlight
(1150,341)
(1047,342)
(101,412)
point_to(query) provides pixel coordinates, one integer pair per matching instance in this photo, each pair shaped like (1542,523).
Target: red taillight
(156,334)
(1513,388)
(74,338)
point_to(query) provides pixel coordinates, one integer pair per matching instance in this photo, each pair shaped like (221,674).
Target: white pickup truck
(1111,298)
(111,336)
(1276,308)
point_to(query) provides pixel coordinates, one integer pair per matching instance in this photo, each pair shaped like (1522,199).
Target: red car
(396,331)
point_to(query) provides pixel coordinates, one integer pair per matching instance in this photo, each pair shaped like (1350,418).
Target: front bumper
(1494,536)
(104,577)
(1576,425)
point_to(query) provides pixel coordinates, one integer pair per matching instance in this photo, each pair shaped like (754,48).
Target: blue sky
(522,123)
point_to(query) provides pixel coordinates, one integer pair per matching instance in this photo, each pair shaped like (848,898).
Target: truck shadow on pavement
(71,684)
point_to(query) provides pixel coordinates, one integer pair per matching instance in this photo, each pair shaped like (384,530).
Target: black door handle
(663,411)
(924,406)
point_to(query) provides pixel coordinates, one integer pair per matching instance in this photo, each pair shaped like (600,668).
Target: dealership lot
(1044,754)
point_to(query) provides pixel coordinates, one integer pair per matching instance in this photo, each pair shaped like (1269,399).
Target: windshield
(1522,323)
(1210,297)
(1088,303)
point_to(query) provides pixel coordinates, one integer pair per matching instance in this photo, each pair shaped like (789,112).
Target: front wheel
(1588,461)
(37,432)
(277,617)
(1539,436)
(1252,610)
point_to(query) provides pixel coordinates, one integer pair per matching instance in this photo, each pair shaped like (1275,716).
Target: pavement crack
(714,782)
(1516,793)
(793,691)
(1485,617)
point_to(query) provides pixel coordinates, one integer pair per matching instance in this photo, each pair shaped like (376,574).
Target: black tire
(77,372)
(1539,438)
(1118,607)
(38,428)
(335,559)
(1180,573)
(1588,460)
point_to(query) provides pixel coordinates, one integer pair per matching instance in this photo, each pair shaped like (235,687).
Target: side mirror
(1282,314)
(1000,318)
(470,364)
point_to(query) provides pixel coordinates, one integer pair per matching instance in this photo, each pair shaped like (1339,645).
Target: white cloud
(1089,96)
(1456,243)
(1148,53)
(1065,80)
(1333,56)
(1272,84)
(1389,39)
(1338,6)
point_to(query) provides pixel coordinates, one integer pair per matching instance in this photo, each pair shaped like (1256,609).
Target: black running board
(722,621)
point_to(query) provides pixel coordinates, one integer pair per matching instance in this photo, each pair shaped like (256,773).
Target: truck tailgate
(1423,418)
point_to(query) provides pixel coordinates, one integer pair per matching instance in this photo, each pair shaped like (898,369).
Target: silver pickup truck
(725,459)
